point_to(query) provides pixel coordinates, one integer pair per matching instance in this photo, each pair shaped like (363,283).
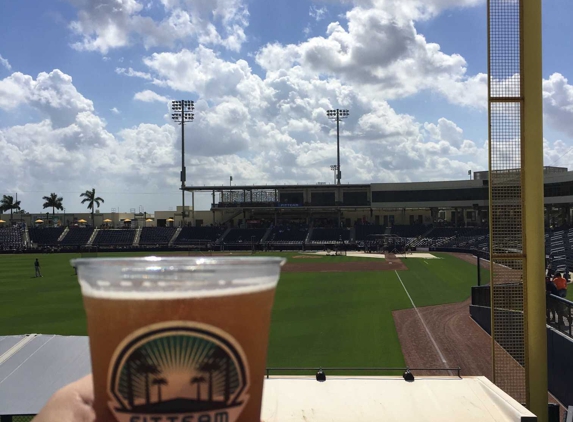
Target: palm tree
(53,201)
(221,357)
(134,360)
(92,200)
(198,381)
(8,203)
(147,369)
(210,367)
(159,382)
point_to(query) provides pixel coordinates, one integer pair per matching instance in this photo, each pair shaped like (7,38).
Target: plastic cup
(178,339)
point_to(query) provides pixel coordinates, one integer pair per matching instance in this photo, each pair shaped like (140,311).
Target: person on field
(37,267)
(561,285)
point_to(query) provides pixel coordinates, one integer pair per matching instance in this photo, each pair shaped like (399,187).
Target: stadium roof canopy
(263,187)
(33,367)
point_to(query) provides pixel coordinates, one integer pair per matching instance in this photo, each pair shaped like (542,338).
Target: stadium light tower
(334,167)
(337,115)
(181,113)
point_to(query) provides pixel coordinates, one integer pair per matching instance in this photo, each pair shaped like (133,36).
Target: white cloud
(114,110)
(415,9)
(53,94)
(103,25)
(381,53)
(279,123)
(5,63)
(132,73)
(270,127)
(148,96)
(317,13)
(558,103)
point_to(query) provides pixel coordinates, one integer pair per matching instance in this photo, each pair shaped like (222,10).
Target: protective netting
(506,237)
(504,47)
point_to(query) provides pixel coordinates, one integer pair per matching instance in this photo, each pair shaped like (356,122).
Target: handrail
(560,310)
(315,369)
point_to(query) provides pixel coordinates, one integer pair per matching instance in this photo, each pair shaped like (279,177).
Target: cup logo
(178,372)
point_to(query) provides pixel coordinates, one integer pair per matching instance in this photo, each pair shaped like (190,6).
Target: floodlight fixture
(337,115)
(181,113)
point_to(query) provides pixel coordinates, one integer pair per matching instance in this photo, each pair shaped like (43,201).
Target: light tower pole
(181,113)
(334,167)
(337,115)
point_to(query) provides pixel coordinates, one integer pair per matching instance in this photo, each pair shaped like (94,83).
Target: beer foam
(145,290)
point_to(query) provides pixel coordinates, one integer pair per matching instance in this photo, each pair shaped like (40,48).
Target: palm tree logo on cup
(179,369)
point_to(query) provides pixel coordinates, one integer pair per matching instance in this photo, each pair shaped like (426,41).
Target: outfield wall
(559,356)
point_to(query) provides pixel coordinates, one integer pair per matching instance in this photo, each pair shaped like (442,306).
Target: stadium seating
(45,236)
(77,236)
(114,237)
(363,231)
(329,236)
(412,231)
(156,235)
(10,238)
(196,235)
(244,236)
(287,235)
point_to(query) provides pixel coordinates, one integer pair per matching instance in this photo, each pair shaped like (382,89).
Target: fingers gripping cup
(178,339)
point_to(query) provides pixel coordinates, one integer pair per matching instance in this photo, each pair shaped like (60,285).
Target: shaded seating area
(77,236)
(287,235)
(156,235)
(461,237)
(330,236)
(244,236)
(45,236)
(10,238)
(198,235)
(118,237)
(363,231)
(412,231)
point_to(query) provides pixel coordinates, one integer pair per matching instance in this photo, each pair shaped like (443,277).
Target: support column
(532,176)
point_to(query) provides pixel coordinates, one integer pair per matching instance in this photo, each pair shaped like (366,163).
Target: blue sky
(85,84)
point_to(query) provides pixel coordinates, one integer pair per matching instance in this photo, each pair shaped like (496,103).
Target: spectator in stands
(561,285)
(550,289)
(37,268)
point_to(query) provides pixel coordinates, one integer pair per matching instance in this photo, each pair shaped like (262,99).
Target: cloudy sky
(85,87)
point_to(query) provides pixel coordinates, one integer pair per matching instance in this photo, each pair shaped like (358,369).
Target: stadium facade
(459,203)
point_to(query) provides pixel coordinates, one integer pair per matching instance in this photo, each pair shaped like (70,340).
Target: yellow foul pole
(532,179)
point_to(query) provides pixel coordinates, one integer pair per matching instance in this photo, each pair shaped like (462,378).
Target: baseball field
(329,310)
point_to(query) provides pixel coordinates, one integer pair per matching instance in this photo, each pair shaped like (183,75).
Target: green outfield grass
(319,319)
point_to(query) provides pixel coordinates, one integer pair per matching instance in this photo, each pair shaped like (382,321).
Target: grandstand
(77,236)
(156,236)
(363,231)
(198,235)
(45,236)
(114,237)
(287,237)
(329,236)
(240,237)
(10,238)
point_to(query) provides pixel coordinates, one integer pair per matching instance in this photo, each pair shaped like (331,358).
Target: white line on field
(426,262)
(423,323)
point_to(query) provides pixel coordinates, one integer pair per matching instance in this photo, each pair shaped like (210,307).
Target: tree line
(53,201)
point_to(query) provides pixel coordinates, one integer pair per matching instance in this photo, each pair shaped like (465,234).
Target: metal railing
(559,310)
(560,314)
(361,369)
